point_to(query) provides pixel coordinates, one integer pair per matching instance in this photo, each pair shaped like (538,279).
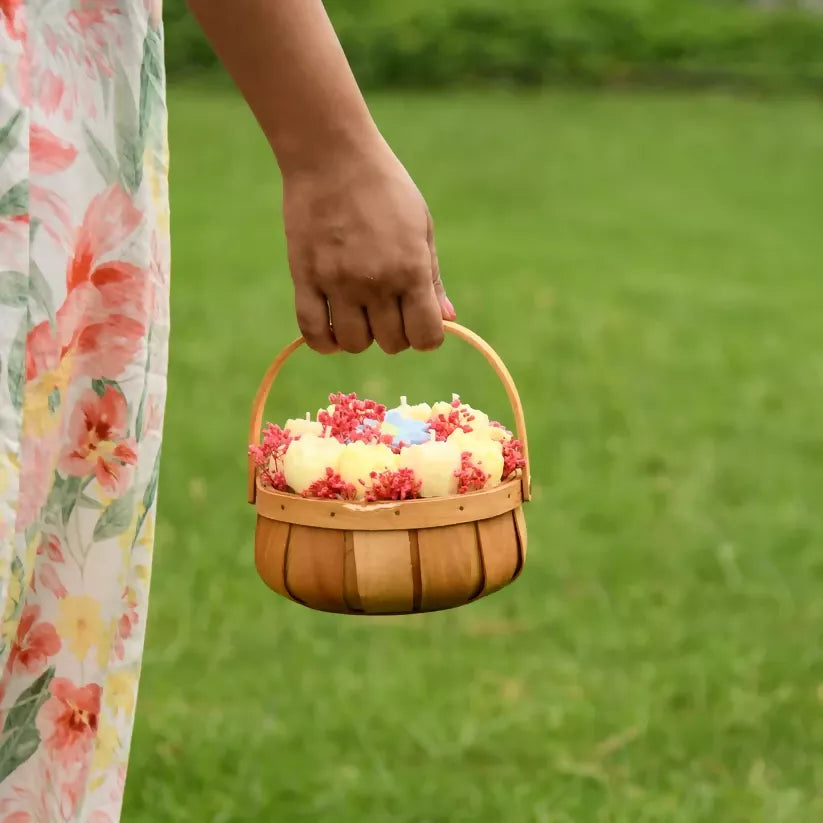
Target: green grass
(650,268)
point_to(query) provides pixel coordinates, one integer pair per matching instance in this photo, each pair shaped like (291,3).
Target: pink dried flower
(443,425)
(269,454)
(331,487)
(470,477)
(275,480)
(352,419)
(512,457)
(393,485)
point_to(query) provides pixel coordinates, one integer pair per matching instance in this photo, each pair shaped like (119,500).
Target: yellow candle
(434,464)
(299,427)
(442,407)
(498,434)
(358,460)
(420,411)
(486,453)
(480,419)
(307,459)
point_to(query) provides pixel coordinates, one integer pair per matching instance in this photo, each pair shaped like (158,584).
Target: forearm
(287,62)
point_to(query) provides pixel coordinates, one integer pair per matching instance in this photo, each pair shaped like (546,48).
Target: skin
(360,236)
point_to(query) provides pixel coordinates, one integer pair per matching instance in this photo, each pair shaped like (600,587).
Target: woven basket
(395,557)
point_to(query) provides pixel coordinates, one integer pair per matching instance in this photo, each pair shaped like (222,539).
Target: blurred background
(628,198)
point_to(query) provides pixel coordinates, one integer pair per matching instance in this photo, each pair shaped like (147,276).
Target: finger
(446,308)
(422,317)
(313,319)
(349,325)
(386,322)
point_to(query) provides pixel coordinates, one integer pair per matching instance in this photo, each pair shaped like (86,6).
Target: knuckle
(355,346)
(306,322)
(415,267)
(429,340)
(394,346)
(322,344)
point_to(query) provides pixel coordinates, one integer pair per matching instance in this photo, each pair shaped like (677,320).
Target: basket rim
(390,515)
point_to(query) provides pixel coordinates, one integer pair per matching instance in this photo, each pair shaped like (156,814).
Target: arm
(360,237)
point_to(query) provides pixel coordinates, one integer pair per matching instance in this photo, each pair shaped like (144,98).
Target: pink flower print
(36,479)
(110,218)
(68,720)
(102,322)
(35,643)
(10,13)
(50,547)
(52,88)
(48,153)
(128,620)
(50,579)
(153,418)
(53,213)
(97,434)
(91,338)
(69,54)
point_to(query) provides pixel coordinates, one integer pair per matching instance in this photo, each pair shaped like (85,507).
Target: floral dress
(84,261)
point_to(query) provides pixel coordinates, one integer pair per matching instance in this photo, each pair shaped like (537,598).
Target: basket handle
(493,358)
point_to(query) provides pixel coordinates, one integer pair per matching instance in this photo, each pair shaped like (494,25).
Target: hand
(362,257)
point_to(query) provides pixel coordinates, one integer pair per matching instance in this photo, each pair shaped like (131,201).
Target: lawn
(650,268)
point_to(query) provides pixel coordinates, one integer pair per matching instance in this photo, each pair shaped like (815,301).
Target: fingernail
(449,308)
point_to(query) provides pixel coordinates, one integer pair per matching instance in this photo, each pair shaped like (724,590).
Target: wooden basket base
(390,572)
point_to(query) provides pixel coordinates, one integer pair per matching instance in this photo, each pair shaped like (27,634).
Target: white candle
(307,459)
(298,427)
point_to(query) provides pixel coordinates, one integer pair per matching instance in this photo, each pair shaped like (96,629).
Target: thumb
(446,307)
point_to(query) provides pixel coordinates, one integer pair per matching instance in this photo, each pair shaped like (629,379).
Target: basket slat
(450,568)
(350,590)
(270,542)
(384,571)
(500,549)
(520,522)
(315,568)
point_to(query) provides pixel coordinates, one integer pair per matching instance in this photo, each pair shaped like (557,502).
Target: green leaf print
(62,500)
(14,289)
(17,365)
(15,202)
(116,518)
(127,138)
(41,292)
(103,160)
(86,502)
(151,80)
(71,493)
(20,738)
(151,488)
(9,135)
(102,383)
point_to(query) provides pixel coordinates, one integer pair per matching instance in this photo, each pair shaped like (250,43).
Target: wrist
(331,145)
